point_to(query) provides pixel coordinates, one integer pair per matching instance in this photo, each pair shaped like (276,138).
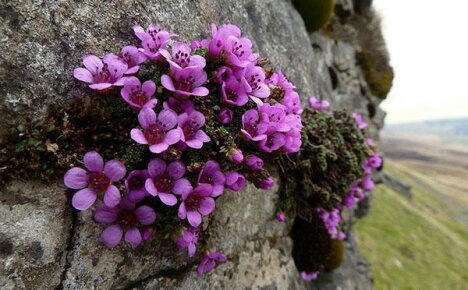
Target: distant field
(420,243)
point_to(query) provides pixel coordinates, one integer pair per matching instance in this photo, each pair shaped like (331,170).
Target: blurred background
(416,235)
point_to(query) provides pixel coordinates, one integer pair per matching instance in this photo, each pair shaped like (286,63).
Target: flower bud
(254,162)
(236,156)
(266,183)
(281,217)
(234,181)
(225,116)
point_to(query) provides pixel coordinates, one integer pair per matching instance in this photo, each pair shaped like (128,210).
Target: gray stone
(34,233)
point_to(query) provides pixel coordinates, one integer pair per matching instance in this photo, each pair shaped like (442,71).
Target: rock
(34,234)
(43,41)
(397,185)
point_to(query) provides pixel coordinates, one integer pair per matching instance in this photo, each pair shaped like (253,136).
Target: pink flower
(185,83)
(135,185)
(359,120)
(101,74)
(208,262)
(234,181)
(179,106)
(253,129)
(153,41)
(225,116)
(190,125)
(211,174)
(266,183)
(316,104)
(166,180)
(158,130)
(254,162)
(255,76)
(181,57)
(281,217)
(234,92)
(97,179)
(309,276)
(132,57)
(124,218)
(236,156)
(188,240)
(196,203)
(139,96)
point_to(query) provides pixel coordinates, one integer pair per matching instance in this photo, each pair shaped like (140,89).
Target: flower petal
(106,215)
(167,83)
(200,92)
(194,218)
(83,75)
(112,235)
(115,170)
(133,237)
(168,118)
(149,88)
(93,161)
(176,169)
(92,63)
(182,186)
(112,196)
(149,186)
(84,199)
(146,117)
(158,148)
(138,136)
(76,178)
(168,198)
(145,215)
(207,205)
(182,213)
(172,137)
(100,86)
(156,167)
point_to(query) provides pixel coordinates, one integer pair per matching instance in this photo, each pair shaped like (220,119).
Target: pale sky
(428,44)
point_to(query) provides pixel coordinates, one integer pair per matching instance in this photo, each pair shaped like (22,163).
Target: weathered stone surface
(34,234)
(41,43)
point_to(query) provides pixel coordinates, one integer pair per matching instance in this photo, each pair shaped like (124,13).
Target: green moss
(316,13)
(378,74)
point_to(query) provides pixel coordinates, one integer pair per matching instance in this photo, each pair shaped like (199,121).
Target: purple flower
(97,179)
(135,185)
(366,183)
(234,92)
(316,104)
(124,218)
(158,130)
(332,222)
(237,49)
(255,76)
(132,57)
(224,74)
(275,117)
(254,162)
(211,174)
(190,125)
(153,40)
(208,262)
(225,116)
(266,183)
(101,74)
(139,96)
(293,141)
(272,143)
(188,240)
(353,196)
(196,203)
(279,80)
(181,57)
(234,181)
(359,120)
(281,217)
(309,276)
(236,156)
(185,83)
(293,103)
(370,142)
(166,180)
(179,106)
(372,162)
(253,129)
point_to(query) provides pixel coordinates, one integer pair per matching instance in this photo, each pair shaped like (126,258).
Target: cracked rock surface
(44,245)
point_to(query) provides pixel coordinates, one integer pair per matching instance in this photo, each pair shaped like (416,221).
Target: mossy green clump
(314,249)
(378,74)
(320,175)
(316,13)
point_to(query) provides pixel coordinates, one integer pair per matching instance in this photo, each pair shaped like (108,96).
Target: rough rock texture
(44,245)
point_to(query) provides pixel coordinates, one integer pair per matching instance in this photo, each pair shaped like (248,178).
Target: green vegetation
(316,13)
(413,244)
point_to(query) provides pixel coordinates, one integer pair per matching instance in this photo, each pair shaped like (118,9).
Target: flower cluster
(207,120)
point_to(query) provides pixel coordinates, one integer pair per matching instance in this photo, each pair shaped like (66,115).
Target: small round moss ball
(315,13)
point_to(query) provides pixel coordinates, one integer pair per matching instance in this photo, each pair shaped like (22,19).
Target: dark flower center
(254,82)
(182,58)
(127,219)
(139,98)
(190,127)
(186,84)
(103,75)
(192,202)
(238,50)
(155,134)
(99,181)
(163,183)
(206,179)
(278,94)
(136,182)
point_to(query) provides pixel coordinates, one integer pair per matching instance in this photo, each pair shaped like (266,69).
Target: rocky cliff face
(44,245)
